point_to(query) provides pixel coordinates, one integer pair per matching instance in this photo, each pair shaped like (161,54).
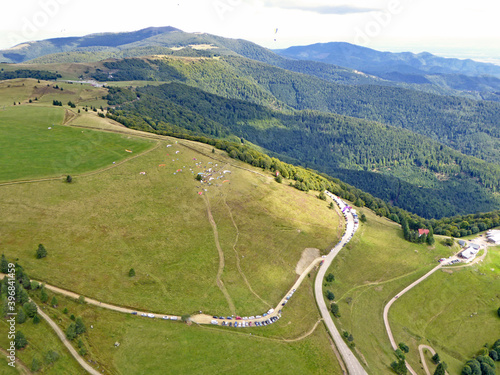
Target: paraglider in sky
(275,32)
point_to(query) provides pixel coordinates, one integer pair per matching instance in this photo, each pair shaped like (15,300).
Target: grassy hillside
(373,268)
(454,312)
(291,345)
(101,225)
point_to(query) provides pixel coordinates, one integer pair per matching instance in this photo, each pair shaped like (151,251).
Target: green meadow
(376,265)
(29,149)
(148,346)
(454,311)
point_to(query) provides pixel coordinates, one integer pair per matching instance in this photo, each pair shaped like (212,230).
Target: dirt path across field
(218,279)
(83,174)
(20,366)
(67,344)
(238,265)
(422,357)
(412,285)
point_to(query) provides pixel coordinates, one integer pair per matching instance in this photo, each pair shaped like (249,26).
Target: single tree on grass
(44,296)
(54,302)
(20,340)
(80,326)
(404,347)
(4,267)
(41,252)
(71,332)
(329,295)
(440,369)
(131,273)
(30,309)
(335,310)
(436,359)
(330,277)
(69,179)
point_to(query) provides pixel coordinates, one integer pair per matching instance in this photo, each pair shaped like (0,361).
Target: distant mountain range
(421,69)
(381,63)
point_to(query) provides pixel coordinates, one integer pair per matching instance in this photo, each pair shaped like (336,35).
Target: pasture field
(454,311)
(153,346)
(376,265)
(29,149)
(101,225)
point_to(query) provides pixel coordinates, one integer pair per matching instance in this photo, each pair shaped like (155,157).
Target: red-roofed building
(423,231)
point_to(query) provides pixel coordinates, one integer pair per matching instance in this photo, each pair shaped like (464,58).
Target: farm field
(373,267)
(454,311)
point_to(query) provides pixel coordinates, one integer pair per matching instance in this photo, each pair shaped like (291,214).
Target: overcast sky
(449,28)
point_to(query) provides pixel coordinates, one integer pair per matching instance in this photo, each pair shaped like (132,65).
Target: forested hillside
(396,165)
(468,126)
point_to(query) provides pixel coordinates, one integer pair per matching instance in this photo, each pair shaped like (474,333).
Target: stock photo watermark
(380,21)
(221,7)
(11,314)
(32,25)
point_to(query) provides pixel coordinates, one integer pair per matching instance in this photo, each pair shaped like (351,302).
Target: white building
(493,236)
(469,253)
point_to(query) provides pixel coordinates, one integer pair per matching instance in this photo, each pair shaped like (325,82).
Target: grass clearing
(371,269)
(31,150)
(455,313)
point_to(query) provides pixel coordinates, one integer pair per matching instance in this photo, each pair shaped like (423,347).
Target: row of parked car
(243,323)
(166,317)
(288,297)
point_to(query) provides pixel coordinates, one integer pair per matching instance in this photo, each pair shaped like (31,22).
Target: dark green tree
(51,357)
(131,273)
(403,347)
(362,218)
(69,179)
(41,252)
(466,370)
(71,332)
(36,319)
(80,326)
(436,359)
(54,302)
(4,265)
(330,277)
(44,297)
(30,309)
(335,310)
(329,295)
(20,340)
(399,367)
(440,369)
(21,316)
